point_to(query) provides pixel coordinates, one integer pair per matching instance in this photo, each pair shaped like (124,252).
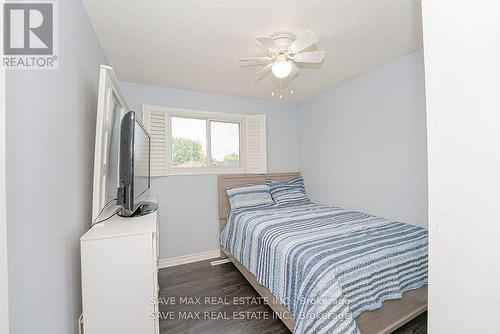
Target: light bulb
(282,67)
(272,93)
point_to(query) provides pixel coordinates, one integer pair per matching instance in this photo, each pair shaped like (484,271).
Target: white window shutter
(156,122)
(256,153)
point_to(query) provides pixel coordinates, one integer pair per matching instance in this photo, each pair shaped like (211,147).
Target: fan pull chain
(281,92)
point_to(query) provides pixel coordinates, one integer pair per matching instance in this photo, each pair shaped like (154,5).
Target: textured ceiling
(195,44)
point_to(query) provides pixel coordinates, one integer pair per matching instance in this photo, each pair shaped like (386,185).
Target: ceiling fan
(284,52)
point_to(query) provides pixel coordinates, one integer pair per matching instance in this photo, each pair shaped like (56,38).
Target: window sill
(212,171)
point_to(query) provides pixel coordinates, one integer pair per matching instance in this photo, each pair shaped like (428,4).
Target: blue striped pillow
(292,192)
(251,196)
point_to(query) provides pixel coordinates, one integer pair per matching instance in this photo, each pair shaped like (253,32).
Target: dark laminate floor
(200,298)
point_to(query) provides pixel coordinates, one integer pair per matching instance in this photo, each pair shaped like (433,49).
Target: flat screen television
(134,175)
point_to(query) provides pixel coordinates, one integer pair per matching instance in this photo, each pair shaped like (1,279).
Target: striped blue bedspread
(327,265)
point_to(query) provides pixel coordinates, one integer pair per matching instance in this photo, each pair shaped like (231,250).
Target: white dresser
(120,276)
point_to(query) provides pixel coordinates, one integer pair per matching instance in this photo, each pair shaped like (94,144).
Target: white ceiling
(195,44)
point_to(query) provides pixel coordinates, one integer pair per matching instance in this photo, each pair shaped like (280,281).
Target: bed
(296,285)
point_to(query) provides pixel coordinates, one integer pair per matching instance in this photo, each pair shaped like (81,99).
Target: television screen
(135,148)
(141,161)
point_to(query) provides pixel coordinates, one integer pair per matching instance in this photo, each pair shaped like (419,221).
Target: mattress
(327,265)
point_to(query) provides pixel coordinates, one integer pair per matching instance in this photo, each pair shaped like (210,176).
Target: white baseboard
(217,262)
(178,260)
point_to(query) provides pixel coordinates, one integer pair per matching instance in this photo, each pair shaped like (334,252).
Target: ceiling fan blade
(267,43)
(264,71)
(303,42)
(244,62)
(255,60)
(310,57)
(295,69)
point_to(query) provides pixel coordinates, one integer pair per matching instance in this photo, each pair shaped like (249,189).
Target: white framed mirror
(111,106)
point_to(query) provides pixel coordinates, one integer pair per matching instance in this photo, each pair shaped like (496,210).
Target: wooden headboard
(226,181)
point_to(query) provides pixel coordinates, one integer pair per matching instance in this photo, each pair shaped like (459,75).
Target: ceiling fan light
(282,68)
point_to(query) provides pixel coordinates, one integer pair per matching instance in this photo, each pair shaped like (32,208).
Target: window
(198,142)
(225,144)
(191,137)
(188,142)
